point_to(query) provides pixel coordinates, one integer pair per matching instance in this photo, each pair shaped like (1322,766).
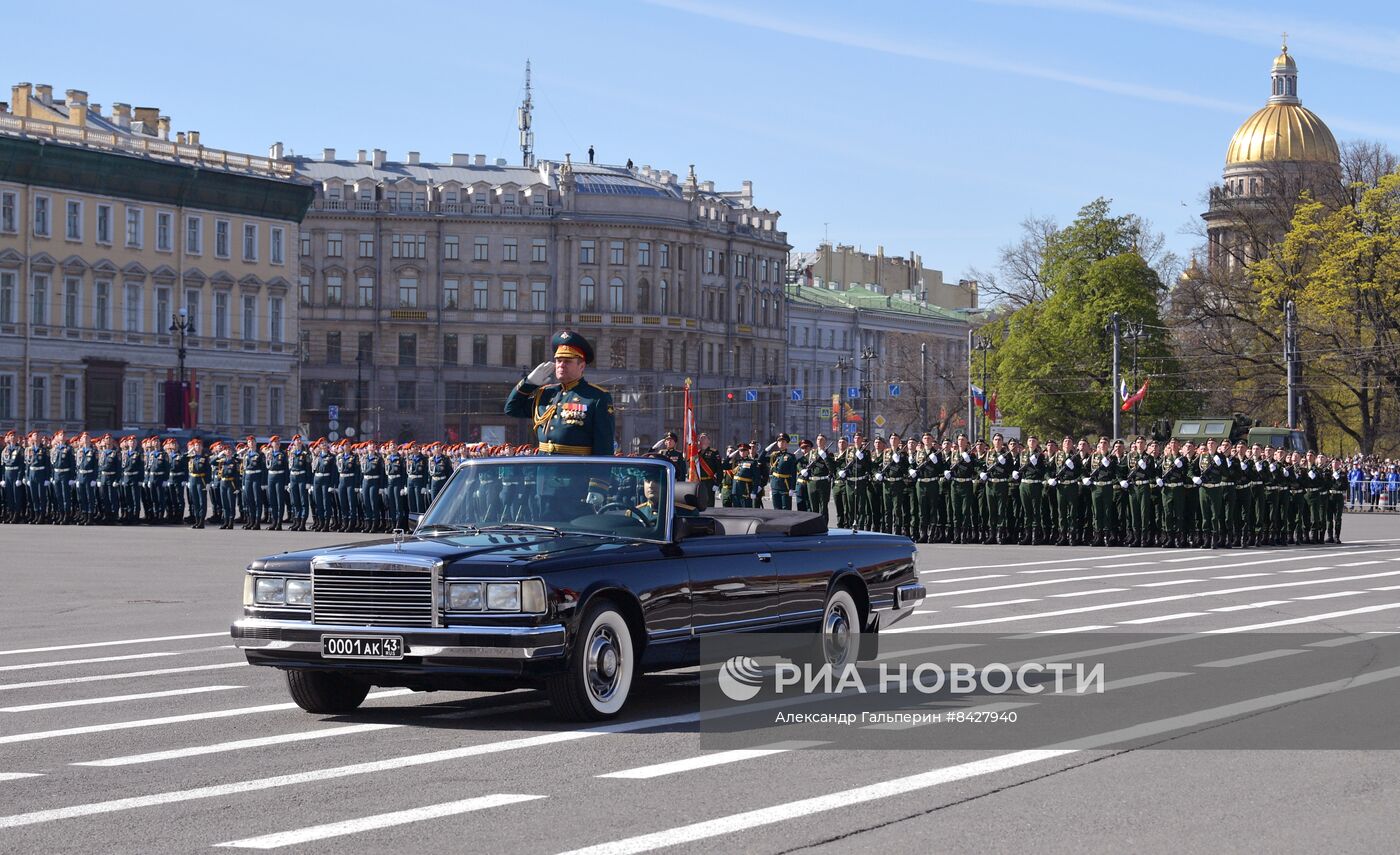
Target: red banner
(690,436)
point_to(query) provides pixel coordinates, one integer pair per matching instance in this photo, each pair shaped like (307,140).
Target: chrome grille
(373,594)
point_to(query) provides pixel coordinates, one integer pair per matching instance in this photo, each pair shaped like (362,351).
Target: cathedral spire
(1284,78)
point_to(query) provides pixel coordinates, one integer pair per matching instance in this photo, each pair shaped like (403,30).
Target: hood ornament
(398,539)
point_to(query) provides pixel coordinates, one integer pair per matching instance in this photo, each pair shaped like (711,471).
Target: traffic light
(728,396)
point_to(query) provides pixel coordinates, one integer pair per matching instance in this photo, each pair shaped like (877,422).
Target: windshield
(624,497)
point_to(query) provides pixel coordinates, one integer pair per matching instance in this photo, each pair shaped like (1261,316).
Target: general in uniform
(569,415)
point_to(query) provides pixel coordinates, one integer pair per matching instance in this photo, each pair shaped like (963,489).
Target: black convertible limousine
(522,573)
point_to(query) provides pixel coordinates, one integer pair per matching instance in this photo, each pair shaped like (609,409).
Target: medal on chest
(573,412)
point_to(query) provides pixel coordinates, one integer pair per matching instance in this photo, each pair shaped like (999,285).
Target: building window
(481,249)
(617,252)
(135,227)
(305,245)
(7,397)
(508,353)
(250,318)
(408,396)
(335,243)
(7,297)
(133,307)
(668,353)
(104,224)
(250,242)
(479,294)
(539,250)
(537,296)
(220,315)
(644,296)
(39,307)
(9,212)
(39,397)
(663,297)
(645,358)
(408,292)
(334,287)
(709,261)
(102,305)
(333,352)
(478,350)
(451,292)
(194,235)
(249,411)
(73,221)
(366,246)
(536,349)
(274,406)
(619,352)
(408,246)
(274,319)
(509,250)
(222,237)
(617,296)
(41,216)
(163,312)
(132,399)
(364,287)
(587,295)
(72,302)
(586,251)
(221,415)
(449,349)
(408,349)
(451,248)
(165,240)
(663,254)
(508,296)
(304,290)
(644,253)
(276,251)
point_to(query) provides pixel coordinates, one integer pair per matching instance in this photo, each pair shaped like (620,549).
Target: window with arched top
(587,295)
(1292,86)
(663,298)
(643,296)
(741,308)
(617,295)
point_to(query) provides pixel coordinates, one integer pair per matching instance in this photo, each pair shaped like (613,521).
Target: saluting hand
(542,374)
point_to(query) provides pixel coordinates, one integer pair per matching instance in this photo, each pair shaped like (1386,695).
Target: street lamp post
(984,344)
(182,325)
(867,353)
(1136,331)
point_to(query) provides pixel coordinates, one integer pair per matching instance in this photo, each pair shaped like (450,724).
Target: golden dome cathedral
(1283,130)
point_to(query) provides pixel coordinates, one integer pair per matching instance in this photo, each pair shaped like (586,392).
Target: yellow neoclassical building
(109,233)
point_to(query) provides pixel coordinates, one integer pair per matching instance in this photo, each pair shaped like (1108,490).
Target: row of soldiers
(328,486)
(1211,494)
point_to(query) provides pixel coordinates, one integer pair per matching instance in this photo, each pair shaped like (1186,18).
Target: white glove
(1103,461)
(879,477)
(1142,463)
(1195,479)
(403,491)
(841,473)
(802,472)
(1123,484)
(1085,481)
(1258,467)
(948,475)
(792,494)
(1177,463)
(1050,481)
(1216,458)
(1069,463)
(1033,459)
(967,458)
(860,455)
(1160,483)
(72,483)
(821,452)
(1015,476)
(542,374)
(1312,474)
(1273,467)
(982,475)
(913,473)
(596,499)
(1001,459)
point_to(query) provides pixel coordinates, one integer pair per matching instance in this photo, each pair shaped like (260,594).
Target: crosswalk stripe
(1250,658)
(1161,618)
(62,663)
(169,719)
(236,745)
(1332,595)
(999,603)
(1309,619)
(703,761)
(371,823)
(96,678)
(116,699)
(1174,582)
(17,776)
(1089,592)
(89,644)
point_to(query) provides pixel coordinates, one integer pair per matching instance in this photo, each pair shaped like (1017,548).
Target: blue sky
(934,127)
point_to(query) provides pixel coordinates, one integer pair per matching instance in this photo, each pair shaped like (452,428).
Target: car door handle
(765,556)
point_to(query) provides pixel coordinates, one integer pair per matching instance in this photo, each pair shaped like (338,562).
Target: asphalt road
(129,724)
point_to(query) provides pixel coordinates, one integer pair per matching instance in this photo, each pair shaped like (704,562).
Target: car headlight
(298,592)
(270,590)
(464,596)
(503,596)
(532,596)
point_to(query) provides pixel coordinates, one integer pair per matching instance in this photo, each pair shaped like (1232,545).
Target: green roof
(867,300)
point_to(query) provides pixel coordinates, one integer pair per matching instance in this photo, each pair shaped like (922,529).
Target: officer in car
(569,414)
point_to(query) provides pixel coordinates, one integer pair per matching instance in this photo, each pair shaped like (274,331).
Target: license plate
(362,646)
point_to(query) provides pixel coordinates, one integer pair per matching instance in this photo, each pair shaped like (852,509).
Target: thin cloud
(892,47)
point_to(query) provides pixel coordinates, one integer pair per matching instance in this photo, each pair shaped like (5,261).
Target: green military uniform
(1316,486)
(1174,474)
(997,466)
(840,493)
(710,470)
(782,475)
(1143,472)
(964,472)
(745,477)
(895,482)
(929,467)
(1210,471)
(1069,469)
(573,418)
(1104,479)
(1337,501)
(820,467)
(1032,470)
(859,469)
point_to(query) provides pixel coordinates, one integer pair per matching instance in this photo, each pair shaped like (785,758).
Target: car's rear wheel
(838,638)
(326,692)
(597,680)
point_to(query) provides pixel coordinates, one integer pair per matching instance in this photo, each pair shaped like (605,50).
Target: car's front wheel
(598,677)
(326,692)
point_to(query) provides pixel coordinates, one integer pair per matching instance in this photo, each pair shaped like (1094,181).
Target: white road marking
(113,643)
(1136,680)
(1129,564)
(237,745)
(16,776)
(707,829)
(1388,588)
(962,579)
(703,761)
(66,662)
(169,719)
(1309,619)
(1338,642)
(1249,659)
(1173,582)
(1093,591)
(383,820)
(1331,595)
(116,699)
(1244,576)
(1309,569)
(1054,570)
(1066,630)
(1358,564)
(1055,561)
(97,678)
(1000,603)
(1161,618)
(1260,605)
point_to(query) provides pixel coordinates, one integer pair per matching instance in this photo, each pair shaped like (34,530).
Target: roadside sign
(894,390)
(824,413)
(333,412)
(852,392)
(350,431)
(750,395)
(797,394)
(332,436)
(879,421)
(333,424)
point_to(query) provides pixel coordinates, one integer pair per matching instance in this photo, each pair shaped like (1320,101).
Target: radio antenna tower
(527,136)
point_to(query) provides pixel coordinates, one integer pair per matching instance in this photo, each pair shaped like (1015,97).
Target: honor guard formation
(1214,495)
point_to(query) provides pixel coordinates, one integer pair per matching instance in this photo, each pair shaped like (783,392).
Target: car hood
(470,549)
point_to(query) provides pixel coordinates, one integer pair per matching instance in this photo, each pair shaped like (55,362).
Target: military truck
(1239,428)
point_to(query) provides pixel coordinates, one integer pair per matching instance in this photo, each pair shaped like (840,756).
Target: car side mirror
(688,527)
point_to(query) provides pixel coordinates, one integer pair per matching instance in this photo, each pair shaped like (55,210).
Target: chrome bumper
(441,645)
